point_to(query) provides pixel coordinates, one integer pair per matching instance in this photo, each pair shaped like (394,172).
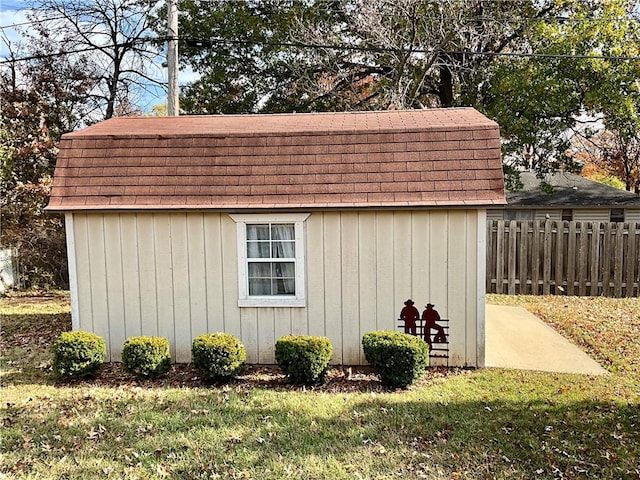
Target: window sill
(272,302)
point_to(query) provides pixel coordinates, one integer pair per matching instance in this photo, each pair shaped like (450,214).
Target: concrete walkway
(515,338)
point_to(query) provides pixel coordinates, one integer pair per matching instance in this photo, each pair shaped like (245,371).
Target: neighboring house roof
(569,190)
(322,160)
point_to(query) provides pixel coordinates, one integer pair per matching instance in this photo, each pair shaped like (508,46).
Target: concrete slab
(515,338)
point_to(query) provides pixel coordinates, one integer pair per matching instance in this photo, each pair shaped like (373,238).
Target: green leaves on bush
(304,359)
(399,358)
(146,357)
(78,354)
(218,356)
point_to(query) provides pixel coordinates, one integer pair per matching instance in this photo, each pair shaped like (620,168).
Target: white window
(271,260)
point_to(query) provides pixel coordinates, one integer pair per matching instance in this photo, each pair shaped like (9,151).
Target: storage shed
(266,225)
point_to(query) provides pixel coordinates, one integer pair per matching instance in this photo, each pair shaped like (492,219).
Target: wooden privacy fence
(555,257)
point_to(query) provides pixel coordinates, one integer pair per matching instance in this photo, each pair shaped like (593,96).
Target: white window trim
(244,300)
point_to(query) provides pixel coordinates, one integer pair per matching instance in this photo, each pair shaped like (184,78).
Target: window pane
(284,269)
(257,270)
(257,232)
(283,250)
(259,286)
(258,249)
(283,232)
(284,286)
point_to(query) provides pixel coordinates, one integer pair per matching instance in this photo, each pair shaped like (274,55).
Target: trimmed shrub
(399,358)
(146,357)
(78,354)
(304,359)
(218,356)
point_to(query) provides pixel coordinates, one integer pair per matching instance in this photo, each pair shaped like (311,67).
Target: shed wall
(632,215)
(175,275)
(591,214)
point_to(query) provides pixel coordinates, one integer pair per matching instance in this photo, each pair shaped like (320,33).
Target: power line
(30,22)
(559,19)
(42,56)
(210,43)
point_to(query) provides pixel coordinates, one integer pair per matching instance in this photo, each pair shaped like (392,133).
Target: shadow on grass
(25,341)
(200,434)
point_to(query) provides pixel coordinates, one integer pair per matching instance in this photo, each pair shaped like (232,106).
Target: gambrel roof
(413,158)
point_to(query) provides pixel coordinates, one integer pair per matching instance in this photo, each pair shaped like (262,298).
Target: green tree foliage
(376,54)
(245,67)
(541,102)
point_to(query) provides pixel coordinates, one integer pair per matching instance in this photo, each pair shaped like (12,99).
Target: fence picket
(619,251)
(595,259)
(632,263)
(523,258)
(500,257)
(513,227)
(546,259)
(588,258)
(571,259)
(535,261)
(607,245)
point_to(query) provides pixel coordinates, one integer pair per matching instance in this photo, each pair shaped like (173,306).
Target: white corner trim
(73,272)
(481,262)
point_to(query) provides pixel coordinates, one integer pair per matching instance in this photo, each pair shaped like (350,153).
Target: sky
(13,12)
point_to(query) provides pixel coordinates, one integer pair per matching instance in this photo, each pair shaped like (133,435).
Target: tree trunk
(445,87)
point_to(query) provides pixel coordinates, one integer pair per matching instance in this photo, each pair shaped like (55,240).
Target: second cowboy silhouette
(430,317)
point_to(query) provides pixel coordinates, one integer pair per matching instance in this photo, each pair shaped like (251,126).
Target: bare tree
(115,37)
(410,53)
(618,153)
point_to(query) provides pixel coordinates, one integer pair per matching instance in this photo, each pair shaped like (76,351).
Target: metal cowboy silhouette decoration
(411,316)
(430,317)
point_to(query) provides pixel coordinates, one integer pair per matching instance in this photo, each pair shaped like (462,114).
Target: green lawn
(482,424)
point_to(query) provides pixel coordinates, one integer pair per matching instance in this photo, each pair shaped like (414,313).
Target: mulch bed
(357,379)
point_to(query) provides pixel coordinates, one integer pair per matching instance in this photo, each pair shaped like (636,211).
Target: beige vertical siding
(175,275)
(495,214)
(591,214)
(632,215)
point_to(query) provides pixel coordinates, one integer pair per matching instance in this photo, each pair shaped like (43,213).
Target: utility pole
(173,108)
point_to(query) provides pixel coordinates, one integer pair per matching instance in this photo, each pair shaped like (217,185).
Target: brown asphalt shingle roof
(439,157)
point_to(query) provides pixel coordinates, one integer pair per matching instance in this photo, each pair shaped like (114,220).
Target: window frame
(615,214)
(244,299)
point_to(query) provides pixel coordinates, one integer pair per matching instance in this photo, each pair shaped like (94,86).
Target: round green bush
(146,357)
(304,359)
(78,354)
(218,356)
(399,358)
